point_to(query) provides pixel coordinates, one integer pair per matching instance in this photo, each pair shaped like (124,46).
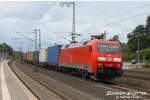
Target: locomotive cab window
(109,48)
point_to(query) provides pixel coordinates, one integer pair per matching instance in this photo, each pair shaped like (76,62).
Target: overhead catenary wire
(126,18)
(26,37)
(124,13)
(28,24)
(17,40)
(36,14)
(56,33)
(129,11)
(106,24)
(41,14)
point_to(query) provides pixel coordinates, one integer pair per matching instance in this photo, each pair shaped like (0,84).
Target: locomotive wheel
(119,72)
(85,75)
(70,72)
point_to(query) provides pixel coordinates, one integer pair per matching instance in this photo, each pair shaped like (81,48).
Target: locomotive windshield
(108,48)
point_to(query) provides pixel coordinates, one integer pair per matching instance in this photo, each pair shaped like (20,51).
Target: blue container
(36,56)
(53,55)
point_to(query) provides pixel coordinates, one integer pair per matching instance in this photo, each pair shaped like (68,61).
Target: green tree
(133,39)
(115,38)
(6,48)
(146,53)
(147,26)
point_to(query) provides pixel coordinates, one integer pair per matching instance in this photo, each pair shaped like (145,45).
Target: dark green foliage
(6,48)
(144,40)
(147,26)
(124,47)
(128,56)
(139,30)
(144,43)
(115,38)
(133,39)
(146,53)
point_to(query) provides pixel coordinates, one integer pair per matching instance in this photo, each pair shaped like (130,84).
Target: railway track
(139,82)
(137,74)
(105,84)
(121,87)
(138,77)
(61,93)
(63,97)
(115,86)
(127,88)
(137,71)
(112,85)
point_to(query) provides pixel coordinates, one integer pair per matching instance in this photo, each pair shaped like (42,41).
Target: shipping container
(43,55)
(25,56)
(30,56)
(36,57)
(53,55)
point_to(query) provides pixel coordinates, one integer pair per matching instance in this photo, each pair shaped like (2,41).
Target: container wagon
(43,57)
(53,55)
(30,56)
(35,57)
(25,56)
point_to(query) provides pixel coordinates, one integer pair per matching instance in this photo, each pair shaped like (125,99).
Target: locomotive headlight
(117,59)
(101,58)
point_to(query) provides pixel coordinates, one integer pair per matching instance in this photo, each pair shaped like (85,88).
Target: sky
(19,19)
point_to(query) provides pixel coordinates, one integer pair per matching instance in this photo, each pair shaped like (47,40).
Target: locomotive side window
(108,48)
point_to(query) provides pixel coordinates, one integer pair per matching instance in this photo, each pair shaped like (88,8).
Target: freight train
(99,59)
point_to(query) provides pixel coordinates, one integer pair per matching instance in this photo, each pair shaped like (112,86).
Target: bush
(128,56)
(146,53)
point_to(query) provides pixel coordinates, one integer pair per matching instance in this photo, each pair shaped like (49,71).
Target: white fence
(134,66)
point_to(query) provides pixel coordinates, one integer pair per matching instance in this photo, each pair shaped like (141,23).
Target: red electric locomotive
(98,58)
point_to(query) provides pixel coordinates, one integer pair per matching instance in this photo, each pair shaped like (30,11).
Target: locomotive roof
(90,42)
(102,41)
